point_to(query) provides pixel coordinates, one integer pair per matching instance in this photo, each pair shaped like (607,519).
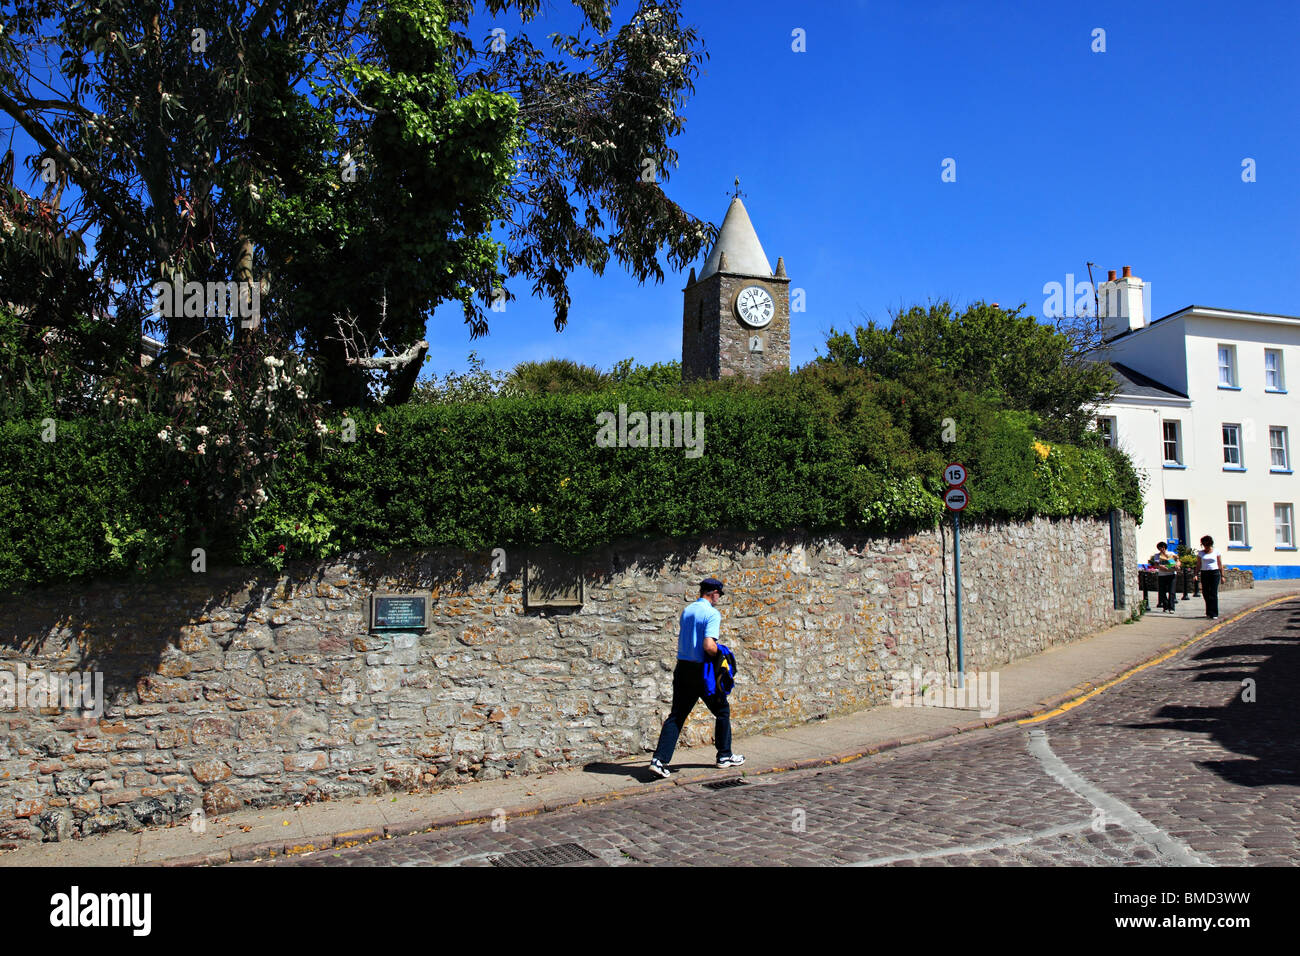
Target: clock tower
(736,314)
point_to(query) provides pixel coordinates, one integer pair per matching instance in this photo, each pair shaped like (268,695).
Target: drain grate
(546,856)
(726,784)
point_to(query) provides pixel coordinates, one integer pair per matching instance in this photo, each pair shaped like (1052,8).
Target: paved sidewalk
(1027,687)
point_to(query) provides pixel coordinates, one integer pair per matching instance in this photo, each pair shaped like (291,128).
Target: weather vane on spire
(737,194)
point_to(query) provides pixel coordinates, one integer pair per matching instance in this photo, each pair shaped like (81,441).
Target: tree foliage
(555,377)
(934,353)
(658,375)
(362,162)
(476,384)
(52,345)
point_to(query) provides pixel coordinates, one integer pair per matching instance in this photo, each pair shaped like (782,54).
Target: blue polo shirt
(700,620)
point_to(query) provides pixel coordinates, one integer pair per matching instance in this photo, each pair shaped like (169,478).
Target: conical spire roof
(738,240)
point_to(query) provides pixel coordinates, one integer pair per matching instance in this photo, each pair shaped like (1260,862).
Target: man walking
(696,638)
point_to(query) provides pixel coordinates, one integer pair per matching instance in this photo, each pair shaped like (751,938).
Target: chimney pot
(1110,276)
(1128,272)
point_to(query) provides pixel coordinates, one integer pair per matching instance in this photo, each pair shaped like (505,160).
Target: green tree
(1021,363)
(555,377)
(477,384)
(52,347)
(665,376)
(361,162)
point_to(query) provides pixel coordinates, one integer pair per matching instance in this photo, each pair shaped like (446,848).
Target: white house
(1205,412)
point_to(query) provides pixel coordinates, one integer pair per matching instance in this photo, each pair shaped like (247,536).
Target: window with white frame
(1278,448)
(1106,426)
(1173,441)
(1283,526)
(1274,379)
(1237,524)
(1228,366)
(1232,445)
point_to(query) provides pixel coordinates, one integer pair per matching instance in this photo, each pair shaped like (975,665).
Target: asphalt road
(1173,766)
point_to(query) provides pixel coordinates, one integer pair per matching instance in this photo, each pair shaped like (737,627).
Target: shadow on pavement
(640,773)
(1262,730)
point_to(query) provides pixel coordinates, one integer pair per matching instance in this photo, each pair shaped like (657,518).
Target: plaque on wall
(552,580)
(399,612)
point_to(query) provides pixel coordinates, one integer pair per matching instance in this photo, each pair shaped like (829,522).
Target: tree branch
(415,352)
(84,178)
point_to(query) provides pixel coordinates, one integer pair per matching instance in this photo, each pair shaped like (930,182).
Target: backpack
(720,672)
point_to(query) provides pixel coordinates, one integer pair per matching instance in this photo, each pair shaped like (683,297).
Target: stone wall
(1236,579)
(228,688)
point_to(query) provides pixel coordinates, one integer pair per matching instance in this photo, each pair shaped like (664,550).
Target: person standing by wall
(1211,565)
(697,637)
(1165,563)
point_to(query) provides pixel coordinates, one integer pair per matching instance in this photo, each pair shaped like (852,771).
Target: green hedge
(105,499)
(99,499)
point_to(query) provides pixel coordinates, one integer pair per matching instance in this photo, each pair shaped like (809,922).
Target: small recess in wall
(552,579)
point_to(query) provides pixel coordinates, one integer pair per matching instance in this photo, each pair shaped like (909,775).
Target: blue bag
(720,672)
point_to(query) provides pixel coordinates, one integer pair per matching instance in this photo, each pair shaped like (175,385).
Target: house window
(1227,366)
(1173,443)
(1274,380)
(1237,524)
(1106,426)
(1232,446)
(1283,526)
(1278,451)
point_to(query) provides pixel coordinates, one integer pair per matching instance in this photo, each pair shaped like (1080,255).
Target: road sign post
(956,561)
(955,499)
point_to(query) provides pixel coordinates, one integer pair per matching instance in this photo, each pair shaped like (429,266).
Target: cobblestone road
(1171,767)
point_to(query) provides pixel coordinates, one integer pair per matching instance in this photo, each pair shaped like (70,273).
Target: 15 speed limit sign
(955,499)
(955,474)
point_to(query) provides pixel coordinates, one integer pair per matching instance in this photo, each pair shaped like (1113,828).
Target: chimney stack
(1120,304)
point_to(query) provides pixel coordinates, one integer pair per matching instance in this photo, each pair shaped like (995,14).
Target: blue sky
(1128,157)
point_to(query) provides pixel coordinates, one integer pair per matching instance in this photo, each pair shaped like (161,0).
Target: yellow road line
(1151,663)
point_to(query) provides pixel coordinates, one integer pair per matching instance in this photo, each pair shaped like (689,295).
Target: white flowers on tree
(236,431)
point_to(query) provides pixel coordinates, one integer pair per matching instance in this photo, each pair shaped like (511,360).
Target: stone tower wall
(716,344)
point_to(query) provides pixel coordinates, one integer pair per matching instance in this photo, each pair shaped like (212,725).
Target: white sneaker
(657,768)
(735,760)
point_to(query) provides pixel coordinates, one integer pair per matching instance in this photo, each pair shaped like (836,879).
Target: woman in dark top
(1165,563)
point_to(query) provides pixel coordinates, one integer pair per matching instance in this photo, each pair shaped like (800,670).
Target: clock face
(755,307)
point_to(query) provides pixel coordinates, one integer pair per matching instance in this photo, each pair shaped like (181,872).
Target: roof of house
(739,241)
(1128,333)
(1133,382)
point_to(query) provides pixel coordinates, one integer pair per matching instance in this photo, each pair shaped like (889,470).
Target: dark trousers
(1210,588)
(688,688)
(1165,583)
